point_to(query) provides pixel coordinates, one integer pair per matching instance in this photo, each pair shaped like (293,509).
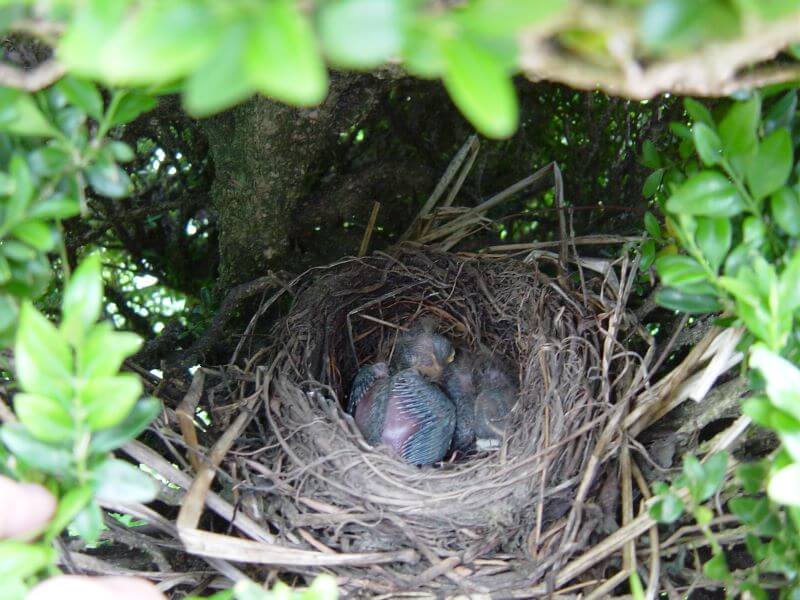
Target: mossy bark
(267,157)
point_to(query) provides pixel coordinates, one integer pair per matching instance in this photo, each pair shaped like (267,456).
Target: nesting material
(324,483)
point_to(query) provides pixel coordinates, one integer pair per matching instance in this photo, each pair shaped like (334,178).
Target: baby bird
(364,384)
(410,415)
(460,383)
(496,398)
(424,350)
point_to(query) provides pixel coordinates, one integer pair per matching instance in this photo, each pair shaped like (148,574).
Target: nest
(321,486)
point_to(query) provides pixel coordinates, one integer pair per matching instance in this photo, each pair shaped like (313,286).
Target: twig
(373,216)
(32,80)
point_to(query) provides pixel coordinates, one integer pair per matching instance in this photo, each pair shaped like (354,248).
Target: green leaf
(131,106)
(82,300)
(36,234)
(104,349)
(713,237)
(708,144)
(652,226)
(714,472)
(119,481)
(88,523)
(699,113)
(69,506)
(143,413)
(671,25)
(44,417)
(480,87)
(23,190)
(782,379)
(422,48)
(47,161)
(506,17)
(21,559)
(717,567)
(648,251)
(667,508)
(703,515)
(652,183)
(40,455)
(677,270)
(750,510)
(282,60)
(786,210)
(159,42)
(94,25)
(784,485)
(83,94)
(17,251)
(738,129)
(221,81)
(707,193)
(650,156)
(121,151)
(773,162)
(42,358)
(675,299)
(752,476)
(19,115)
(789,284)
(108,179)
(361,33)
(108,400)
(781,114)
(55,207)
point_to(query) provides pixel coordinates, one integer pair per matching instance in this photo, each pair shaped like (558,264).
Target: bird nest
(483,521)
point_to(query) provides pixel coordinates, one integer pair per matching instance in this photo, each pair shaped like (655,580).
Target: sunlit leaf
(480,87)
(361,33)
(699,112)
(44,417)
(21,560)
(108,400)
(782,378)
(708,144)
(717,567)
(784,486)
(706,194)
(772,164)
(82,301)
(282,60)
(40,455)
(20,115)
(675,299)
(142,414)
(738,128)
(132,105)
(36,234)
(69,505)
(713,237)
(667,509)
(83,94)
(88,523)
(104,349)
(683,24)
(221,81)
(119,481)
(677,270)
(42,358)
(504,17)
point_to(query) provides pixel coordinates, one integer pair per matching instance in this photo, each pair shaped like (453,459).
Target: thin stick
(373,216)
(449,173)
